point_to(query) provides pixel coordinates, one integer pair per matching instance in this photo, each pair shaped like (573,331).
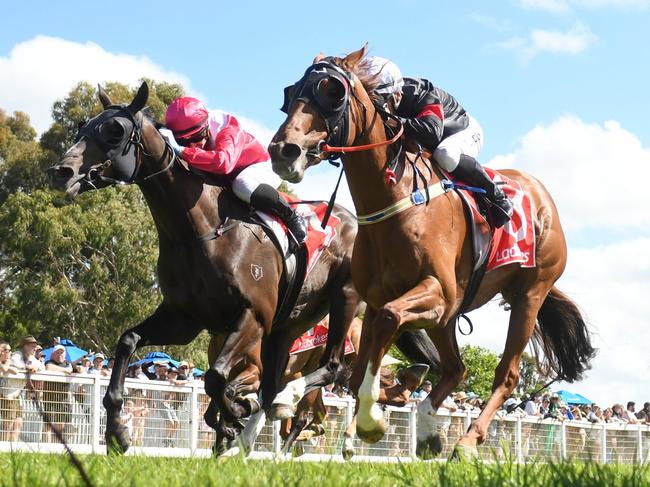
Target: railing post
(194,417)
(639,443)
(603,440)
(468,420)
(277,440)
(96,413)
(413,433)
(518,442)
(563,448)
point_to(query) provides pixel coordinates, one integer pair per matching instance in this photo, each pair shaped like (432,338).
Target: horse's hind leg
(163,327)
(343,307)
(312,402)
(523,316)
(239,345)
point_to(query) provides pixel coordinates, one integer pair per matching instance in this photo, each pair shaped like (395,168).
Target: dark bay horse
(206,283)
(413,268)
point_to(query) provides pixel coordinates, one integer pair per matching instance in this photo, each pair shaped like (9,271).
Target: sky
(560,88)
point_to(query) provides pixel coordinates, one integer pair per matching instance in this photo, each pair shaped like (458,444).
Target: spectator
(553,408)
(98,365)
(161,370)
(140,412)
(544,406)
(135,372)
(644,414)
(108,368)
(533,405)
(422,392)
(172,375)
(629,416)
(617,414)
(56,395)
(184,371)
(11,412)
(328,391)
(24,359)
(38,353)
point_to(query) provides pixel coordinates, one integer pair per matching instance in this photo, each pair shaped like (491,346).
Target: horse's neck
(181,207)
(365,172)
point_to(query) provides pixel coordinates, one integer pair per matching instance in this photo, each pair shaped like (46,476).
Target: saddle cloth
(515,241)
(316,337)
(318,239)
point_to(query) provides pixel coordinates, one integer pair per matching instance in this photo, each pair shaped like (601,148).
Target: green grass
(34,470)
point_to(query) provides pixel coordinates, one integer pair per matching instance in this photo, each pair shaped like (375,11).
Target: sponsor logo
(256,272)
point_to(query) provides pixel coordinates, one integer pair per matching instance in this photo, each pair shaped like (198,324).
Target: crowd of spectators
(543,406)
(56,397)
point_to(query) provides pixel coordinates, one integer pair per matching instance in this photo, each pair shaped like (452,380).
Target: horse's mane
(370,81)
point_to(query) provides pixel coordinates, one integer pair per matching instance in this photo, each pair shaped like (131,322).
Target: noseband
(123,152)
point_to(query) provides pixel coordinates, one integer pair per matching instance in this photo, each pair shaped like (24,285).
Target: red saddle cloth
(318,239)
(316,337)
(515,241)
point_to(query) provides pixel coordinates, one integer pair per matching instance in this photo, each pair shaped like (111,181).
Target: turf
(47,469)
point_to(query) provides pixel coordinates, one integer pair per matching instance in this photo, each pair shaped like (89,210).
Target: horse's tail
(562,335)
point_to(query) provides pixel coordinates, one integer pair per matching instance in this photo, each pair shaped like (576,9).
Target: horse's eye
(111,132)
(331,93)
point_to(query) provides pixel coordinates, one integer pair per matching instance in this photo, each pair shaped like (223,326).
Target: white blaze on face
(370,413)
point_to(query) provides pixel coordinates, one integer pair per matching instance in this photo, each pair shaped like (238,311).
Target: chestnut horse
(413,268)
(207,283)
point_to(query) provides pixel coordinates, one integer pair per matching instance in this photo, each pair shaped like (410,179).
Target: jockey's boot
(266,198)
(472,173)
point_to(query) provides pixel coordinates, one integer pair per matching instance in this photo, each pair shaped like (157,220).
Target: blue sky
(561,88)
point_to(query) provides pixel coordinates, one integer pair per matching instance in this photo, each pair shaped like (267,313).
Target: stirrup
(501,215)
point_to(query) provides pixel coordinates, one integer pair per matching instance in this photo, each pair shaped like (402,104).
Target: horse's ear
(352,59)
(140,100)
(319,57)
(103,97)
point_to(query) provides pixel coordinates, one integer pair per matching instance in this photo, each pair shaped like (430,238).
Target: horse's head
(319,111)
(106,148)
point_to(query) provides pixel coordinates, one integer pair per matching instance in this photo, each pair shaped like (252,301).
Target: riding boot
(472,173)
(267,198)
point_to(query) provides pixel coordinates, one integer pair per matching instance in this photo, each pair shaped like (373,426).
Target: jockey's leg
(457,155)
(256,185)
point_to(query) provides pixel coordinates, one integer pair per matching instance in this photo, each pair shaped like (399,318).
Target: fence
(167,419)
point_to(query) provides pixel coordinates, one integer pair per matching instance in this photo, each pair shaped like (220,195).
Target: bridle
(336,112)
(124,155)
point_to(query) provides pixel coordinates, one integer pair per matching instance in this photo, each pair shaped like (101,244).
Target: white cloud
(41,70)
(588,169)
(493,23)
(563,6)
(576,40)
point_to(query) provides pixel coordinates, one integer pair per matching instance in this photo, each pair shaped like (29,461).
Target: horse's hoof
(464,453)
(279,412)
(411,377)
(117,441)
(348,449)
(373,435)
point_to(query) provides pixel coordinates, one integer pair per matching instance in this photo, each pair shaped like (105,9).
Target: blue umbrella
(156,357)
(573,398)
(72,352)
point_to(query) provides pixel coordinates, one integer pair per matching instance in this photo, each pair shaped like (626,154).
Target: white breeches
(468,142)
(251,177)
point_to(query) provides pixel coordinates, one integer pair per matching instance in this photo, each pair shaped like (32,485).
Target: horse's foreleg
(425,302)
(523,316)
(308,404)
(163,327)
(452,373)
(343,307)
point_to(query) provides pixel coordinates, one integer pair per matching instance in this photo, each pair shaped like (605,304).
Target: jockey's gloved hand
(169,137)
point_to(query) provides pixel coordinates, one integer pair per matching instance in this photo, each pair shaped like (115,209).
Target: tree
(530,378)
(481,364)
(85,270)
(20,155)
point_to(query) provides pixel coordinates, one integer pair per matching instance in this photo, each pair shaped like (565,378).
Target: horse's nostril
(290,152)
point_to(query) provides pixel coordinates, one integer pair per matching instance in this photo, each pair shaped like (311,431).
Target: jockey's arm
(426,127)
(223,158)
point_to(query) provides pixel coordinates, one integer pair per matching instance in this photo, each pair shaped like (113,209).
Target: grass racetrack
(33,470)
